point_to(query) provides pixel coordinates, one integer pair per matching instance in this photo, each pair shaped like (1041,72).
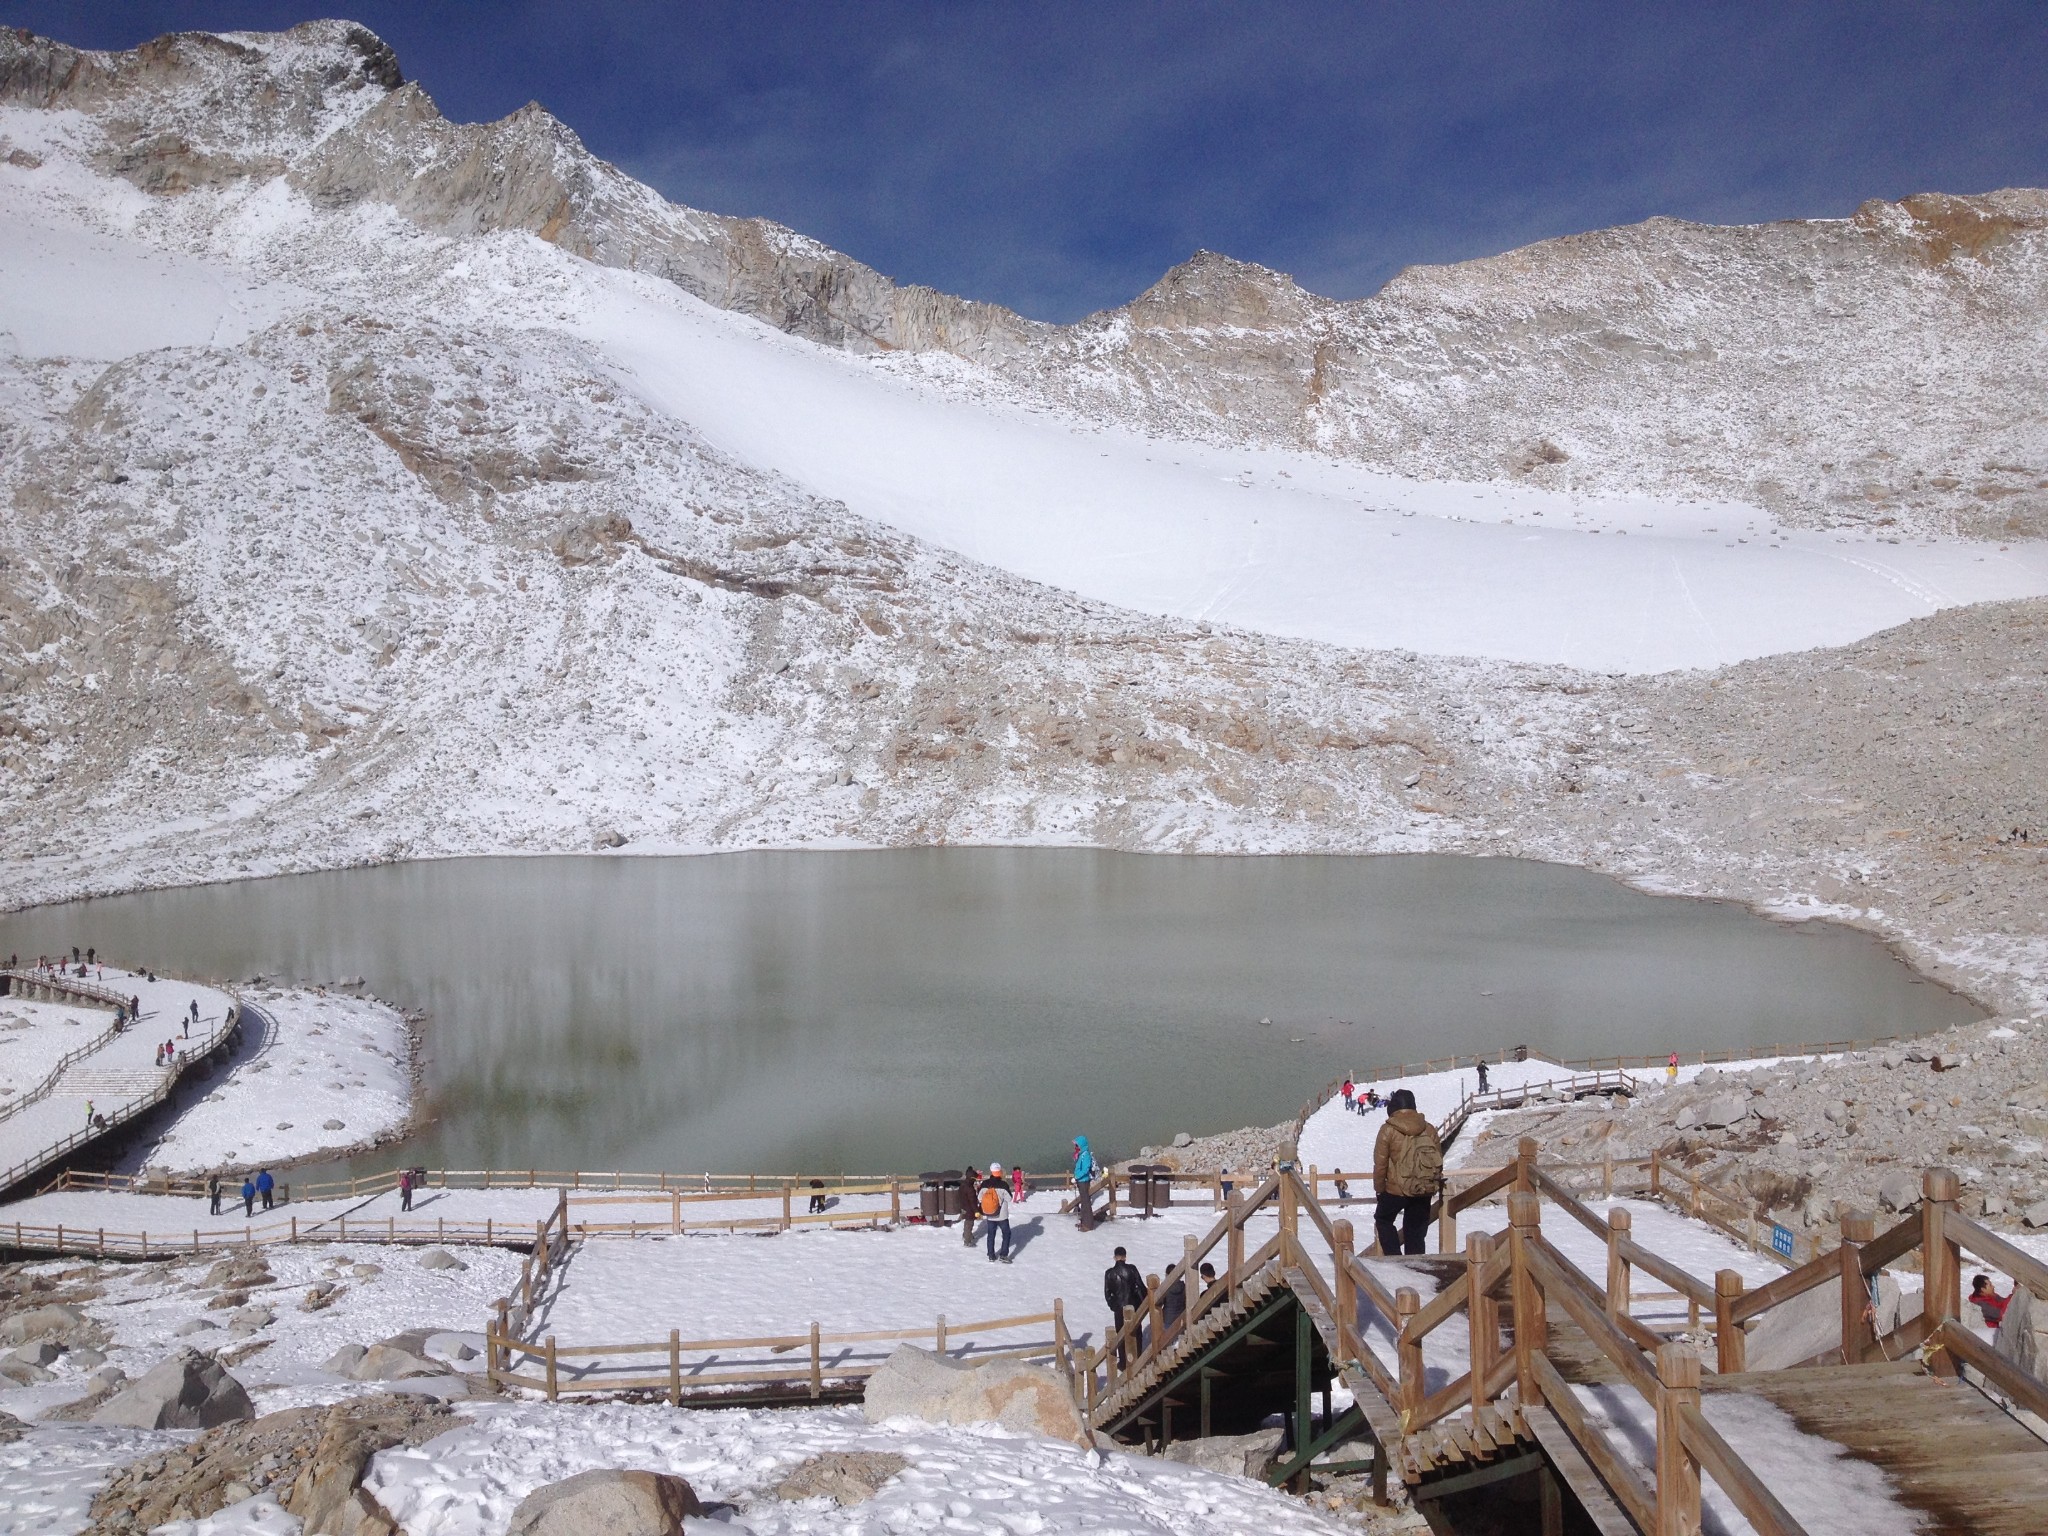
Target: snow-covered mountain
(379,486)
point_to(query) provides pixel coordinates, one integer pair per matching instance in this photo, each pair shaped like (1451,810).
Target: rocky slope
(1884,369)
(405,572)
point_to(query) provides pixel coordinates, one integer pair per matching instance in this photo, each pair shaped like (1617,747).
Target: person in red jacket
(1987,1300)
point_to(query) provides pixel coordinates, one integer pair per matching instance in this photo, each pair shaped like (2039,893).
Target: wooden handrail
(1685,1285)
(1570,1204)
(1993,1249)
(1895,1244)
(2030,1392)
(1563,1283)
(1816,1272)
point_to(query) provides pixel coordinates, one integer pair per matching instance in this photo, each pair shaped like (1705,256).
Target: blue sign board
(1781,1239)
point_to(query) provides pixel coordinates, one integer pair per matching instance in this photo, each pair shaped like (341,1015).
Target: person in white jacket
(994,1204)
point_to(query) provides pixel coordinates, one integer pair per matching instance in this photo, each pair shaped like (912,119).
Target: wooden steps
(1210,1327)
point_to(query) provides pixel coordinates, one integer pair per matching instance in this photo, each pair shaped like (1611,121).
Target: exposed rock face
(846,1477)
(1653,357)
(607,1503)
(918,1384)
(187,1391)
(1238,1455)
(1811,1324)
(311,1459)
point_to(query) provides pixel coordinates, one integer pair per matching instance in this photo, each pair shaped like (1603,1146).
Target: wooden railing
(167,1243)
(168,1078)
(721,1365)
(77,989)
(1513,1281)
(65,1063)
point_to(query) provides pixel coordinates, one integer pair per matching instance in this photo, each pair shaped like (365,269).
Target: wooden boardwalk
(1551,1350)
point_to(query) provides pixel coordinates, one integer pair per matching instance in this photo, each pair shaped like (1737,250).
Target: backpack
(991,1202)
(1416,1162)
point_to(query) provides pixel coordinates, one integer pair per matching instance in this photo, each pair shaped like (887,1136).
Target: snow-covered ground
(1283,542)
(328,1072)
(35,1036)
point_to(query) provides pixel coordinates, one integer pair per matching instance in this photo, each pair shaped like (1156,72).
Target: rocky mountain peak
(1211,289)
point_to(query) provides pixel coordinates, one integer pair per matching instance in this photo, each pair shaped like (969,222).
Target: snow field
(34,1037)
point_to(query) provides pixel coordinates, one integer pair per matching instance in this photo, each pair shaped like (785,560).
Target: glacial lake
(900,1010)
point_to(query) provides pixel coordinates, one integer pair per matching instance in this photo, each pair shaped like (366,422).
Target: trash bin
(1162,1187)
(931,1195)
(1138,1189)
(954,1187)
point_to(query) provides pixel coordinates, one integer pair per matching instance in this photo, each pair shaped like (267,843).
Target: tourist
(88,1112)
(1173,1305)
(159,1056)
(213,1194)
(1482,1077)
(248,1197)
(1407,1172)
(817,1197)
(90,957)
(1349,1091)
(405,1189)
(1985,1298)
(1124,1289)
(1225,1184)
(995,1212)
(1671,1068)
(1343,1188)
(970,1192)
(1020,1187)
(1083,1174)
(266,1186)
(1208,1274)
(74,954)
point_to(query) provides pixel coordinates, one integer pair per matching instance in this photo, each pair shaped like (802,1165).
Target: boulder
(847,1477)
(1706,1077)
(345,1359)
(42,1352)
(22,1374)
(440,1258)
(11,1429)
(916,1383)
(1810,1324)
(607,1503)
(1183,1139)
(1723,1109)
(187,1391)
(2016,1338)
(1899,1191)
(1238,1455)
(196,1325)
(2036,1215)
(58,1322)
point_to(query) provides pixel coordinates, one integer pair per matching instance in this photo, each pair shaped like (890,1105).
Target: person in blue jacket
(248,1199)
(264,1185)
(1084,1175)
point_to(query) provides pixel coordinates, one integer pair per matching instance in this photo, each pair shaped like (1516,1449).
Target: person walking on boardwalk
(265,1185)
(405,1189)
(995,1212)
(1083,1176)
(1671,1068)
(1407,1172)
(1482,1077)
(248,1197)
(88,1111)
(213,1194)
(817,1197)
(1349,1094)
(1020,1189)
(1124,1289)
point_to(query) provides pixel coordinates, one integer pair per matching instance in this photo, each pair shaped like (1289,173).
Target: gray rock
(333,1125)
(440,1258)
(42,1352)
(1237,1455)
(607,1503)
(1183,1139)
(86,1359)
(187,1391)
(23,1374)
(2036,1215)
(1811,1324)
(252,1320)
(1707,1077)
(846,1477)
(2016,1338)
(1899,1191)
(398,1358)
(918,1384)
(196,1325)
(1836,1112)
(61,1322)
(345,1359)
(1723,1109)
(366,1271)
(1686,1118)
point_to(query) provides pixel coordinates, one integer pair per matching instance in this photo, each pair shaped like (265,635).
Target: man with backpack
(995,1212)
(1407,1172)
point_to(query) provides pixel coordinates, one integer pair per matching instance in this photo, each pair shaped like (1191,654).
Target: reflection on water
(891,1011)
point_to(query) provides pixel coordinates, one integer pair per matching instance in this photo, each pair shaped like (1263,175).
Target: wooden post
(1858,1227)
(895,1201)
(295,1229)
(1525,1164)
(817,1366)
(1656,1176)
(551,1368)
(1151,1338)
(675,1211)
(1731,1353)
(785,1207)
(1482,1318)
(1941,1259)
(1288,1190)
(1408,1352)
(939,1335)
(1606,1193)
(1345,1290)
(1678,1475)
(1620,1224)
(675,1368)
(1235,1242)
(1524,1225)
(1191,1282)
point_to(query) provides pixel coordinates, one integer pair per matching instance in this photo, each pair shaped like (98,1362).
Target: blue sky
(1058,158)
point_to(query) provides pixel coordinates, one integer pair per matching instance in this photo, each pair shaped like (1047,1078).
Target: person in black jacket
(1124,1289)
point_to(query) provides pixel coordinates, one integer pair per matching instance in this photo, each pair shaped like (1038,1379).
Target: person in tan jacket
(1407,1172)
